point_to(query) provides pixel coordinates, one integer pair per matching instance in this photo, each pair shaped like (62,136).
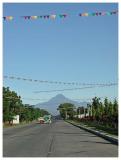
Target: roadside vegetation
(13,105)
(100,115)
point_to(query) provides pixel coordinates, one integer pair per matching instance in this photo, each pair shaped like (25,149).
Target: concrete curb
(98,133)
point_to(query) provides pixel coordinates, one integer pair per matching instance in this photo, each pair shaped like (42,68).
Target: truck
(41,120)
(46,119)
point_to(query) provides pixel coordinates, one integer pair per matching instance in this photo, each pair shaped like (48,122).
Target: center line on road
(51,143)
(50,147)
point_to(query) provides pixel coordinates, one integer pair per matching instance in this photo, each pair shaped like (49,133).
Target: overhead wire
(57,82)
(70,89)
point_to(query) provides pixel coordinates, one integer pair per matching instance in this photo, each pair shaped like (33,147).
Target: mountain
(54,102)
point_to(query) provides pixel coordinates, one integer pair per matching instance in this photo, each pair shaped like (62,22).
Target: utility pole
(91,110)
(84,113)
(65,114)
(79,113)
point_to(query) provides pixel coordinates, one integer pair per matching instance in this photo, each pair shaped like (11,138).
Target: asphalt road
(59,139)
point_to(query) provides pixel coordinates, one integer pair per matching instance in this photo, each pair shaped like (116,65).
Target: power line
(69,89)
(57,82)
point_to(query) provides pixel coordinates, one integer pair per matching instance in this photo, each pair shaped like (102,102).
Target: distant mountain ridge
(54,102)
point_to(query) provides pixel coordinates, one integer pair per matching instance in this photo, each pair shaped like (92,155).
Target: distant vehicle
(46,119)
(41,120)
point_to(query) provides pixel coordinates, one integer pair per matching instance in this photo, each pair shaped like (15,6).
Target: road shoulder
(111,138)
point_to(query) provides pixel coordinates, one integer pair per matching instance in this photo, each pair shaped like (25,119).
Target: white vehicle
(46,119)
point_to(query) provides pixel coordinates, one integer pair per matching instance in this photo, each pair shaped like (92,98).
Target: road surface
(59,139)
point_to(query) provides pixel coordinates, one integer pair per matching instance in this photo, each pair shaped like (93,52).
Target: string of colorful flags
(54,16)
(59,82)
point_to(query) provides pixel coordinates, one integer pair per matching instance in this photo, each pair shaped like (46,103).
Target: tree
(80,110)
(106,106)
(101,111)
(66,110)
(12,105)
(43,112)
(10,101)
(89,108)
(95,107)
(115,113)
(115,107)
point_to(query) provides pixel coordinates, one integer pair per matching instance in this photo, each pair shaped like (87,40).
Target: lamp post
(65,114)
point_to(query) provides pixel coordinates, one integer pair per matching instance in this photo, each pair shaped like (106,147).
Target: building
(16,119)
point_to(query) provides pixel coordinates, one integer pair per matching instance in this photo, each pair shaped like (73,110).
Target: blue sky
(74,49)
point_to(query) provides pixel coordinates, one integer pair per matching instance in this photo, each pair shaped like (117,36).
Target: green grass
(98,127)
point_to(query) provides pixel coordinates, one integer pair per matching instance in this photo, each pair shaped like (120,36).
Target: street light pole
(65,114)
